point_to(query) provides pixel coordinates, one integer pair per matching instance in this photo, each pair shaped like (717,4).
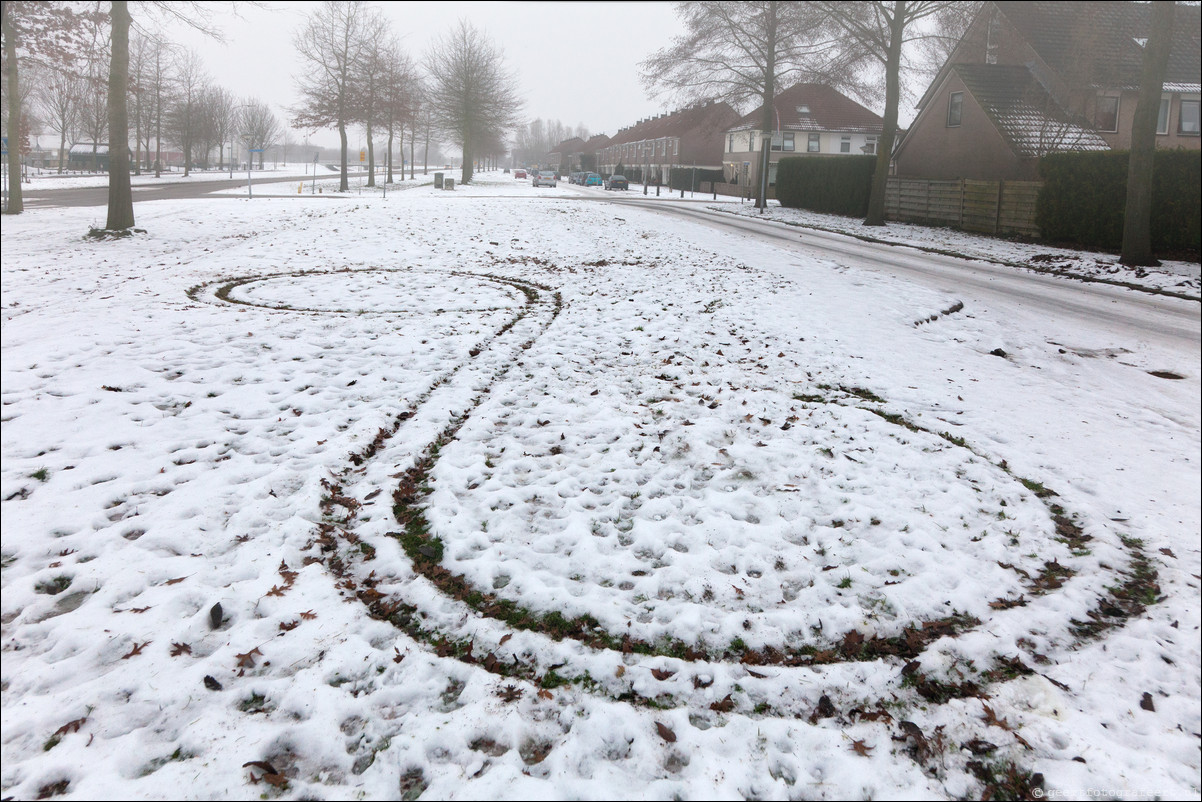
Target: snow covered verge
(466,495)
(1172,276)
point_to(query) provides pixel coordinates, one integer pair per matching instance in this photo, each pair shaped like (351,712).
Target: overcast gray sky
(575,62)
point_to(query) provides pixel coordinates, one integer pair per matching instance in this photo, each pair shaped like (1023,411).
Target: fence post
(997,214)
(961,226)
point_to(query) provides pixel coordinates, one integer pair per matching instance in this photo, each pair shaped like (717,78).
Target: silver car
(544,178)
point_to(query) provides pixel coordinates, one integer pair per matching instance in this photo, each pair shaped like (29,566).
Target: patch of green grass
(41,474)
(845,582)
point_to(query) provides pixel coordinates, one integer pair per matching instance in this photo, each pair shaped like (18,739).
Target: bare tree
(93,104)
(59,102)
(472,96)
(184,117)
(52,33)
(1137,236)
(747,52)
(221,109)
(882,29)
(401,93)
(370,80)
(260,127)
(331,46)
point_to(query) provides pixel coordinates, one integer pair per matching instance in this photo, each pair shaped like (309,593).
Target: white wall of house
(743,147)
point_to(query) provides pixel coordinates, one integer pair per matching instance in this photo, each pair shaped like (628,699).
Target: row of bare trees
(356,74)
(63,83)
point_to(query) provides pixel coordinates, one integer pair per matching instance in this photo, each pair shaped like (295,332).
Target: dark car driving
(617,182)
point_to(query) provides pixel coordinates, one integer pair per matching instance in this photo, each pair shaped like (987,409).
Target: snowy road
(1169,321)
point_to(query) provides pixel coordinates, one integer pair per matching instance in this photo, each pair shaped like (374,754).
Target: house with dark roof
(687,137)
(561,159)
(811,120)
(1030,78)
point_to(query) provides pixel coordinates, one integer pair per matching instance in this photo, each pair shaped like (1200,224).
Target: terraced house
(1029,78)
(685,138)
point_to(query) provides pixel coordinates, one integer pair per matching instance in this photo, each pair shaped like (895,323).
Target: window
(1106,114)
(803,109)
(751,140)
(870,145)
(1162,120)
(955,109)
(782,141)
(815,144)
(789,142)
(1187,121)
(845,144)
(730,147)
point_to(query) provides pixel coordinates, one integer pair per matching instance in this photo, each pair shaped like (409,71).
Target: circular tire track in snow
(424,549)
(423,293)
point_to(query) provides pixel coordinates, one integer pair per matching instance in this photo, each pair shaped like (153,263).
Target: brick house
(811,120)
(1029,78)
(688,137)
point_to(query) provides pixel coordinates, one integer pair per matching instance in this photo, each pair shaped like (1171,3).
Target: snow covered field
(528,497)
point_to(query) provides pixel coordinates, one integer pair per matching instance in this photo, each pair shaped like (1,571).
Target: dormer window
(803,109)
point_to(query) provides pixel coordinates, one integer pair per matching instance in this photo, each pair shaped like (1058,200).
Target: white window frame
(814,145)
(1162,118)
(1098,109)
(845,143)
(1193,101)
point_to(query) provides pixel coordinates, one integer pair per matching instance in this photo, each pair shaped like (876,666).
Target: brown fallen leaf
(248,660)
(399,657)
(288,626)
(308,615)
(505,638)
(543,693)
(724,706)
(175,581)
(138,647)
(992,720)
(180,648)
(860,749)
(665,733)
(71,726)
(662,674)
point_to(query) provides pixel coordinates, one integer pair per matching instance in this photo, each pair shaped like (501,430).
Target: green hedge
(1084,195)
(829,184)
(690,179)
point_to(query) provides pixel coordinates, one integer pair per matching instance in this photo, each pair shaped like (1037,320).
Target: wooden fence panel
(989,207)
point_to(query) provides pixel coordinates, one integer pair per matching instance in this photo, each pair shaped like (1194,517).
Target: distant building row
(1027,78)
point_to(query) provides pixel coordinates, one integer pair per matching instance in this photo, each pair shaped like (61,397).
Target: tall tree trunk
(121,200)
(768,115)
(880,176)
(412,164)
(1137,236)
(465,173)
(62,150)
(343,184)
(426,154)
(391,136)
(15,203)
(371,159)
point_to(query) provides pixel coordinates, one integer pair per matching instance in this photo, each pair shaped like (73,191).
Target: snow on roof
(1025,114)
(815,107)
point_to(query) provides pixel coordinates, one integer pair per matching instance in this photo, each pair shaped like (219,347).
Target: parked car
(617,182)
(593,180)
(544,178)
(519,173)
